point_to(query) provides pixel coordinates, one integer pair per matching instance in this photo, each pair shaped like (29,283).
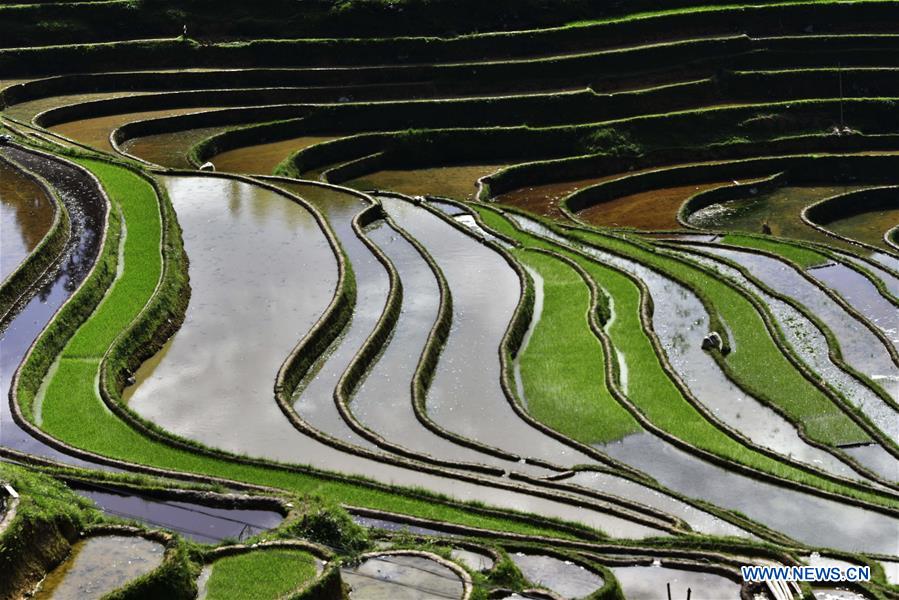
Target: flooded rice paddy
(26,214)
(652,209)
(99,565)
(867,227)
(651,582)
(458,182)
(86,209)
(565,578)
(199,522)
(401,577)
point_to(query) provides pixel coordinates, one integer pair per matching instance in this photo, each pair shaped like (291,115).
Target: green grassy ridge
(756,363)
(653,392)
(562,367)
(73,412)
(802,256)
(129,293)
(260,575)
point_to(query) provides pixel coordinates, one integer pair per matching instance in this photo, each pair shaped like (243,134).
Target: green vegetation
(72,410)
(562,368)
(653,392)
(756,363)
(802,256)
(260,575)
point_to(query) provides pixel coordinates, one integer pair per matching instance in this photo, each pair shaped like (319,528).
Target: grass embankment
(653,392)
(562,368)
(804,257)
(73,412)
(755,362)
(260,575)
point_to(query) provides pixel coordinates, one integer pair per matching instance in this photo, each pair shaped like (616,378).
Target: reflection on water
(805,517)
(401,577)
(650,583)
(85,207)
(25,216)
(263,158)
(564,577)
(99,565)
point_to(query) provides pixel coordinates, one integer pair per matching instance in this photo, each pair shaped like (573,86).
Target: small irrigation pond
(98,565)
(403,577)
(26,214)
(199,522)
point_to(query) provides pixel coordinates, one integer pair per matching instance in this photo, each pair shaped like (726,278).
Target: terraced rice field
(488,301)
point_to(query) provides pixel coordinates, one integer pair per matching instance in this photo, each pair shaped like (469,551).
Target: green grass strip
(260,575)
(562,367)
(73,412)
(650,388)
(143,268)
(803,257)
(756,361)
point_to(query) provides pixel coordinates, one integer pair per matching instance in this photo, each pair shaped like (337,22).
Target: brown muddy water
(26,214)
(99,565)
(458,182)
(867,227)
(544,199)
(261,274)
(652,209)
(95,132)
(568,579)
(86,209)
(169,149)
(263,158)
(780,208)
(401,577)
(650,583)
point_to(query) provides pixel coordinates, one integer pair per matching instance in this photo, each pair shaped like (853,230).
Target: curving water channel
(26,214)
(806,517)
(252,247)
(86,208)
(99,565)
(681,321)
(809,343)
(860,348)
(861,294)
(199,522)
